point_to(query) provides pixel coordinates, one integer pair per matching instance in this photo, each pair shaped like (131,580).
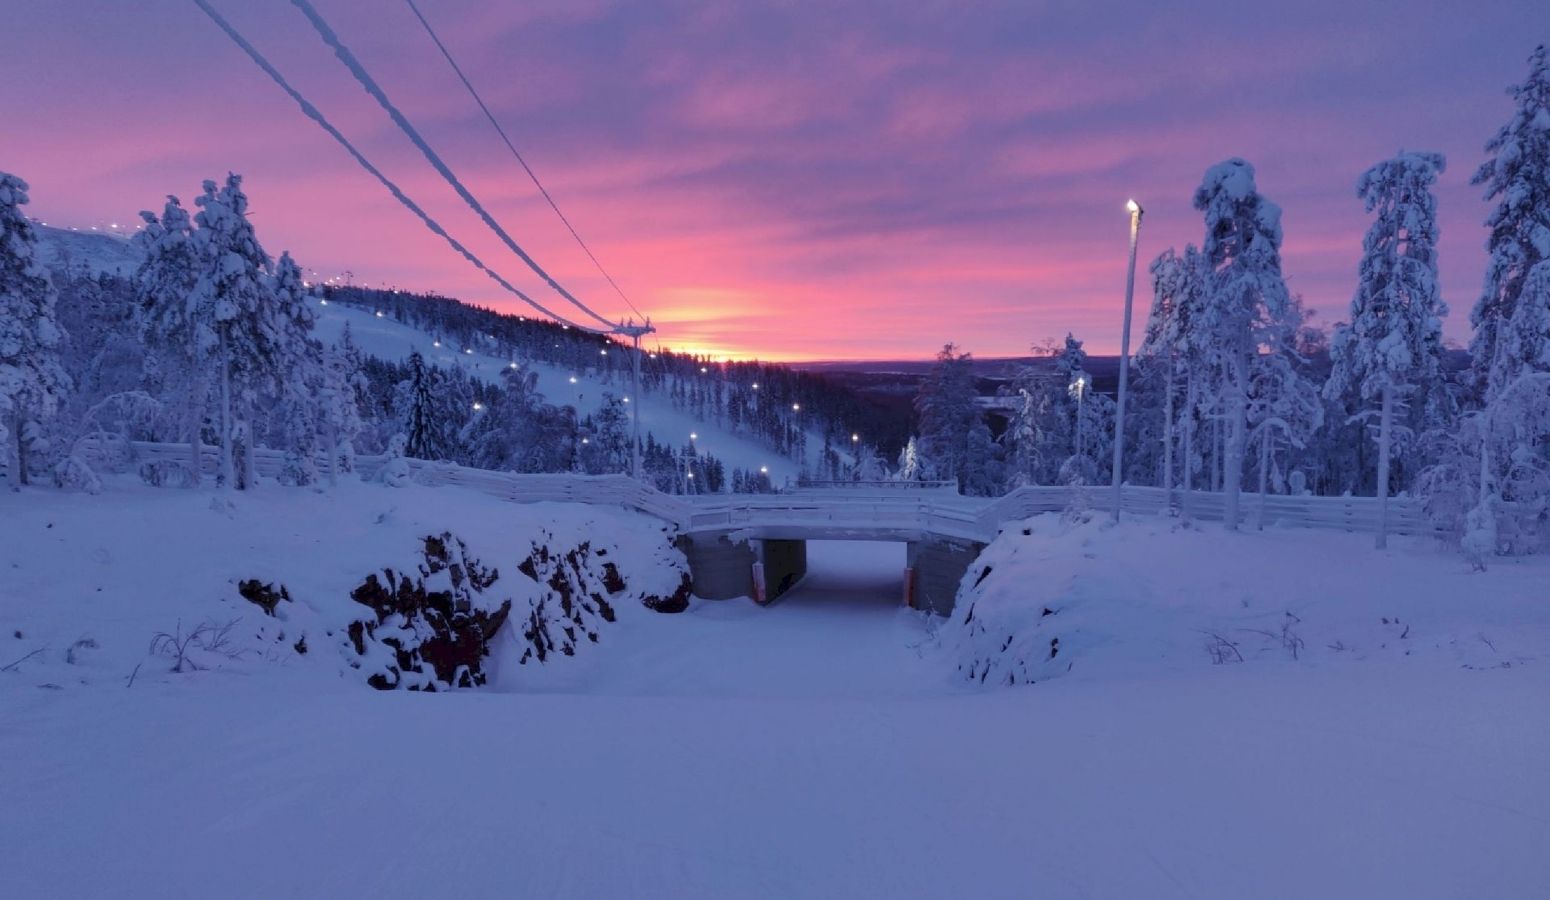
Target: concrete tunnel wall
(722,569)
(939,566)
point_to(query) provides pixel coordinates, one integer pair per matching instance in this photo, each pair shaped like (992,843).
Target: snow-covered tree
(1248,303)
(1517,177)
(1523,340)
(339,402)
(292,382)
(1394,340)
(419,403)
(914,465)
(32,382)
(235,294)
(953,432)
(178,338)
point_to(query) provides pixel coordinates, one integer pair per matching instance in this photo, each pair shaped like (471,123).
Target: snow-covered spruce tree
(1161,342)
(32,381)
(1247,301)
(339,404)
(1020,441)
(178,336)
(1523,339)
(418,407)
(233,289)
(953,432)
(1284,410)
(1394,339)
(1517,177)
(914,465)
(293,381)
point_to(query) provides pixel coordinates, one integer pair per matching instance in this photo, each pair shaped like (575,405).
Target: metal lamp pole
(1124,357)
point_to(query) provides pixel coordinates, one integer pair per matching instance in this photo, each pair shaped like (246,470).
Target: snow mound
(1050,597)
(412,587)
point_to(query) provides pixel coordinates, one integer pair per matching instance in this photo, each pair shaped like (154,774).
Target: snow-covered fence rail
(617,490)
(932,511)
(1406,515)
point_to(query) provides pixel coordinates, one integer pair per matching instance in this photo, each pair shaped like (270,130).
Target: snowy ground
(819,747)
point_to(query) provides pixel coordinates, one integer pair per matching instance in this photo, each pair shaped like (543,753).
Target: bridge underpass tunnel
(856,575)
(923,572)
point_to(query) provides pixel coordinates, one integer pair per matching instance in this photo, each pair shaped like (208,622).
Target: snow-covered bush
(432,629)
(167,473)
(75,473)
(395,471)
(584,587)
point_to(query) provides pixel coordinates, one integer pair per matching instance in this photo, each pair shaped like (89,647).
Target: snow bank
(139,580)
(1050,597)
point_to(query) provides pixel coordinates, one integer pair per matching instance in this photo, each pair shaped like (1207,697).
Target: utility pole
(1124,358)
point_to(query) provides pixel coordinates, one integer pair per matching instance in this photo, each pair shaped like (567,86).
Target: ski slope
(388,339)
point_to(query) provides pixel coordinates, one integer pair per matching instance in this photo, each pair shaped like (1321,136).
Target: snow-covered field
(825,746)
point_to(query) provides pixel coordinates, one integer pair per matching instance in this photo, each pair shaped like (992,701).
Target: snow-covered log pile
(1054,598)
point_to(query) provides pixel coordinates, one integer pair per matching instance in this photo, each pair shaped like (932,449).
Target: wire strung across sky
(317,116)
(514,152)
(372,88)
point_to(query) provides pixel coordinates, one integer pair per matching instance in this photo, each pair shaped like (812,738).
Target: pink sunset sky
(788,181)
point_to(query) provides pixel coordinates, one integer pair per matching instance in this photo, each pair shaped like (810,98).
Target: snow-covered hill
(383,337)
(95,251)
(583,389)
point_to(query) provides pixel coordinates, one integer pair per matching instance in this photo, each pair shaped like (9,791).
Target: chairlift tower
(635,332)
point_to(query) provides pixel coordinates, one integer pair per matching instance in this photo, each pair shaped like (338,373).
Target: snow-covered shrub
(395,471)
(75,473)
(166,473)
(264,596)
(585,587)
(574,607)
(431,629)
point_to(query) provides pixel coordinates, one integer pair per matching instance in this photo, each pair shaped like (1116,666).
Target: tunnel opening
(853,575)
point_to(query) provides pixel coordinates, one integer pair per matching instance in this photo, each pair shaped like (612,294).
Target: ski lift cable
(366,81)
(517,154)
(313,113)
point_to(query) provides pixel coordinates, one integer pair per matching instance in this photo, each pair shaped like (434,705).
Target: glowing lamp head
(1133,207)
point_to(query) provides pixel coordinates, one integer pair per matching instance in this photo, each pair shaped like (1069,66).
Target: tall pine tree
(1517,177)
(1248,304)
(32,381)
(1394,339)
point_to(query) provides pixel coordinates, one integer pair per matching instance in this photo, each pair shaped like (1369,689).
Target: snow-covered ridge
(94,251)
(1052,598)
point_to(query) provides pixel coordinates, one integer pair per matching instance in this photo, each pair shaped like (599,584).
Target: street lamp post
(1124,357)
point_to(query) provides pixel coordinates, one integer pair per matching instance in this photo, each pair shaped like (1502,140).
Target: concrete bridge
(756,544)
(742,544)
